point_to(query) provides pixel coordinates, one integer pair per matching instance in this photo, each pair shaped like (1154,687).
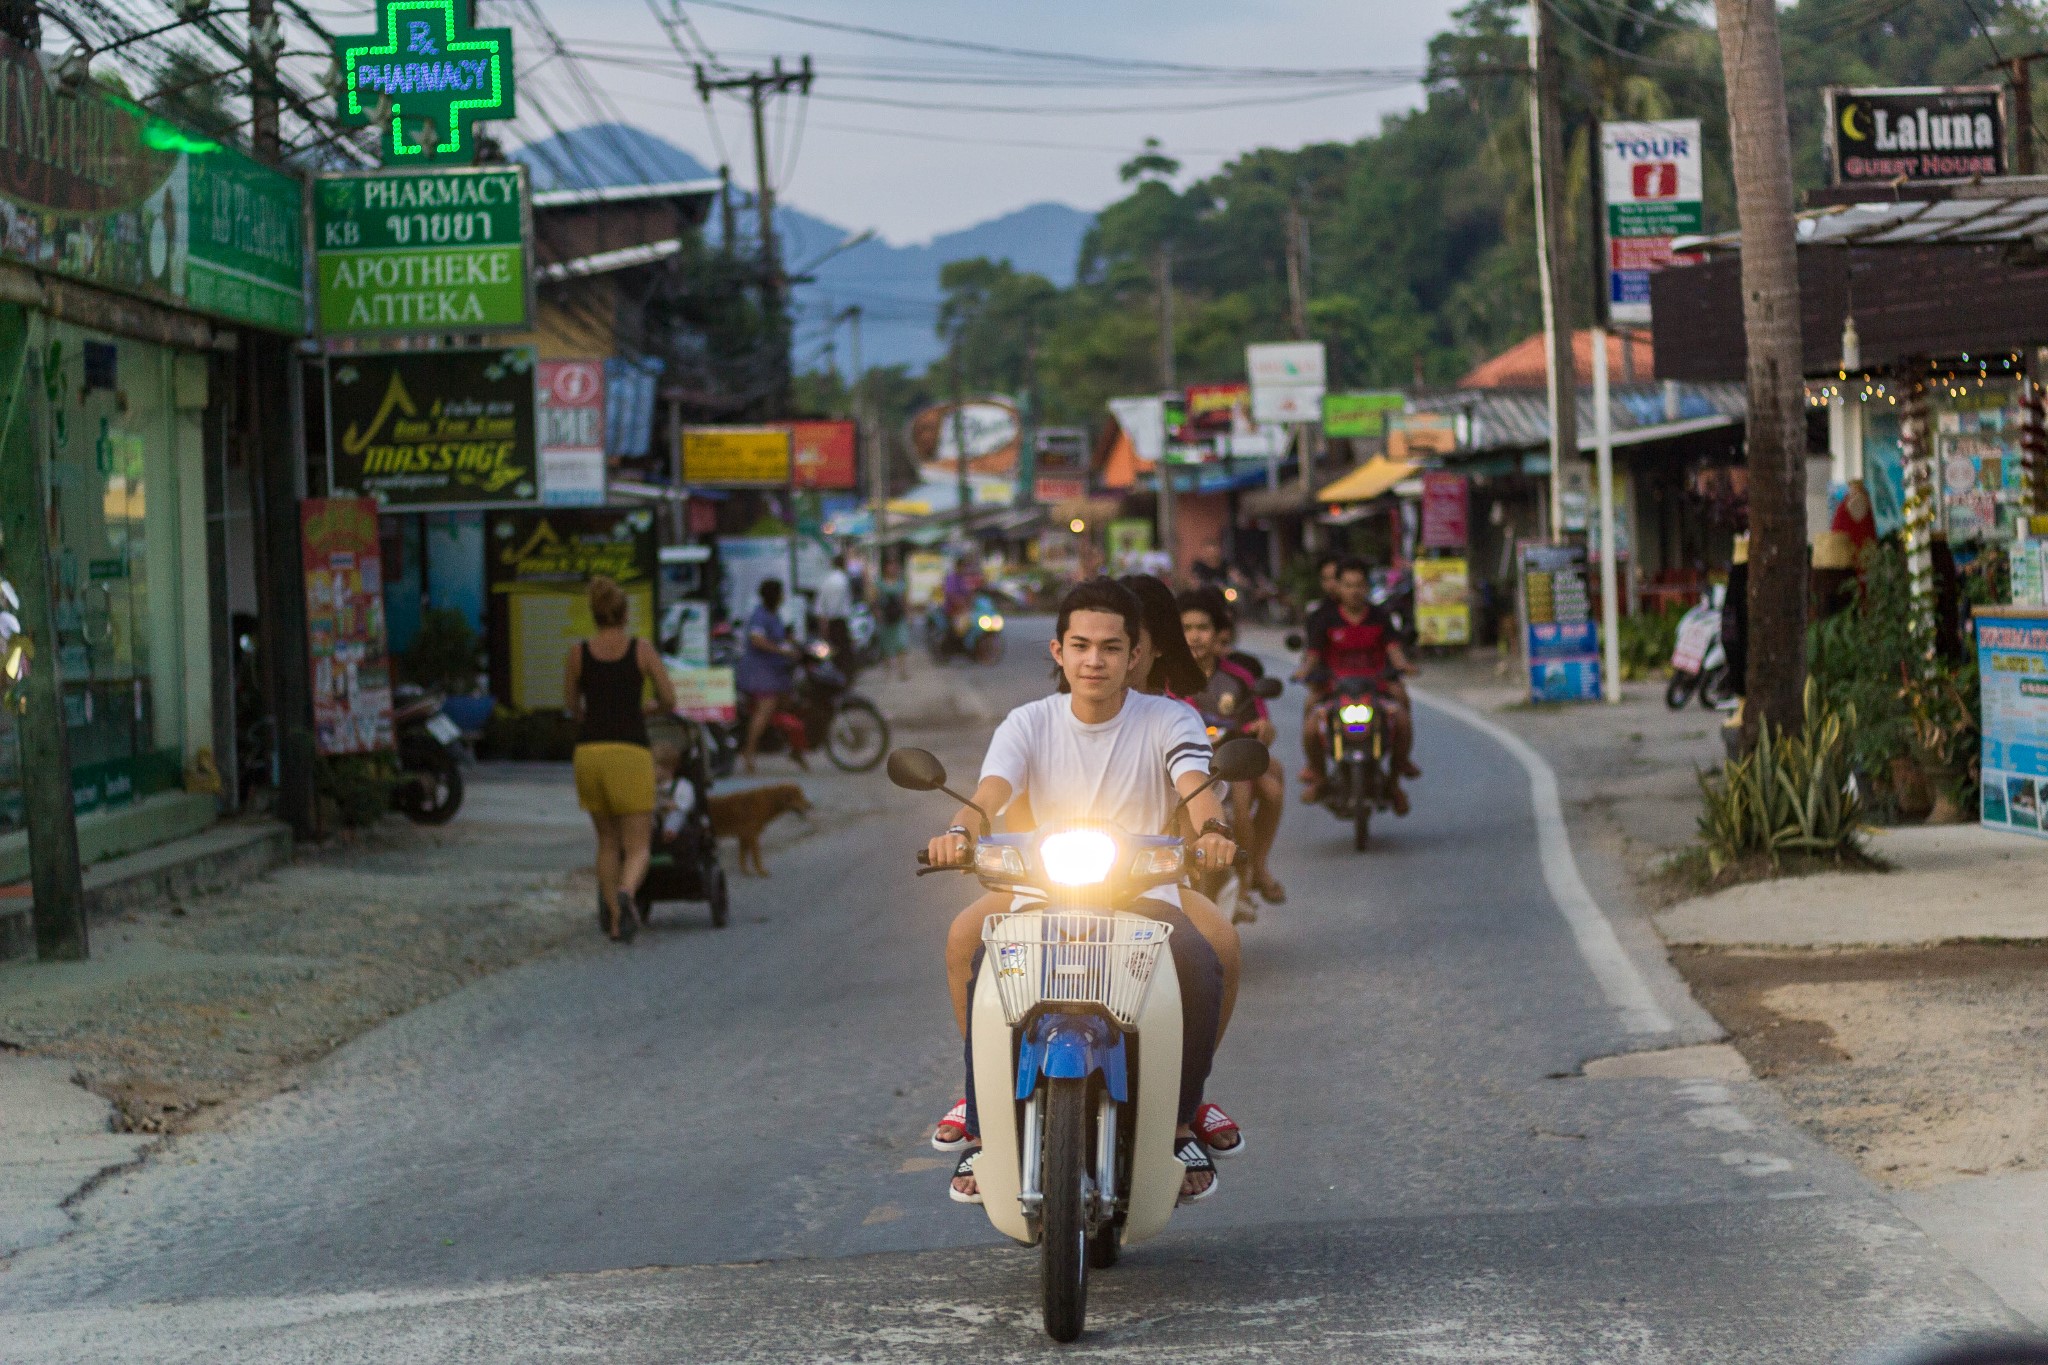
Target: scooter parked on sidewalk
(1698,661)
(429,757)
(1077,1030)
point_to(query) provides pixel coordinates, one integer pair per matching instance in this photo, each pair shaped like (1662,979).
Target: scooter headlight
(998,860)
(990,622)
(1077,857)
(1358,713)
(1159,861)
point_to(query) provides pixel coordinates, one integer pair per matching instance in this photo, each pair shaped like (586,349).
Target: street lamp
(1077,526)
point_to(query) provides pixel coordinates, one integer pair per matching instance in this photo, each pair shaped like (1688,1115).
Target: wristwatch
(1214,826)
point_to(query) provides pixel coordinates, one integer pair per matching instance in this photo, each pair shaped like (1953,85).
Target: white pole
(1610,592)
(1559,389)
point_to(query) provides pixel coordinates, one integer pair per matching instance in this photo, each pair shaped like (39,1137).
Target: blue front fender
(1071,1047)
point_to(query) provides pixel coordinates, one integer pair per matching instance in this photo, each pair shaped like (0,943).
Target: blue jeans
(1201,1008)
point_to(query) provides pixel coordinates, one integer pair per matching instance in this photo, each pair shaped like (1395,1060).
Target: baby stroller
(683,860)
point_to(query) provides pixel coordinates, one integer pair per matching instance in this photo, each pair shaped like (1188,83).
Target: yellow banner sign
(1443,614)
(736,455)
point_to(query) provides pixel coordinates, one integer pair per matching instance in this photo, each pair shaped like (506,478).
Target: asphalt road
(711,1146)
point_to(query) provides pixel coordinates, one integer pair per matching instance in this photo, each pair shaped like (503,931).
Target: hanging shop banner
(437,251)
(537,568)
(1443,612)
(924,578)
(1654,188)
(1413,436)
(2012,672)
(1881,136)
(1444,504)
(736,456)
(571,416)
(1215,408)
(1287,380)
(430,75)
(434,429)
(1562,642)
(1359,416)
(345,625)
(827,454)
(95,187)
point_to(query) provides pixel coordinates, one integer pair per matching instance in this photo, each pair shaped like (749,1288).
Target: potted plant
(1942,729)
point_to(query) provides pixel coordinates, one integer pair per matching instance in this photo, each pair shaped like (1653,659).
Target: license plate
(443,729)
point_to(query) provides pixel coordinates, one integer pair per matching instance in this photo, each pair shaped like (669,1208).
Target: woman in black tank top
(604,681)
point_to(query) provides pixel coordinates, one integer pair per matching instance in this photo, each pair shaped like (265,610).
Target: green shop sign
(424,77)
(97,188)
(431,251)
(1359,416)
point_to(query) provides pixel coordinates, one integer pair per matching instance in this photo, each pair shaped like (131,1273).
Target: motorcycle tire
(719,897)
(857,737)
(989,648)
(1678,691)
(1715,688)
(1063,1220)
(434,798)
(1361,812)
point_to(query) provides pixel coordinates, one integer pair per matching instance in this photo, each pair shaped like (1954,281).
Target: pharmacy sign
(432,251)
(424,78)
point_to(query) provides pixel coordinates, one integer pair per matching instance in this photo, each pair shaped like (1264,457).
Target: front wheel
(719,896)
(1105,1247)
(989,648)
(1361,808)
(435,790)
(1715,688)
(1678,691)
(858,737)
(1064,1230)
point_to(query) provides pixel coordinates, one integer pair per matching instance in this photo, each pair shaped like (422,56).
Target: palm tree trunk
(1757,127)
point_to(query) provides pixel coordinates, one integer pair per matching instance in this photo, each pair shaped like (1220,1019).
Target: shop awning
(1368,481)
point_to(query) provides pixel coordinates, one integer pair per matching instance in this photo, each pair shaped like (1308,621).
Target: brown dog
(744,815)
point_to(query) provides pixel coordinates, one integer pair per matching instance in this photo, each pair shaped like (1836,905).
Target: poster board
(745,562)
(1560,640)
(537,567)
(709,694)
(745,457)
(572,469)
(345,642)
(2012,672)
(924,578)
(1443,611)
(1445,500)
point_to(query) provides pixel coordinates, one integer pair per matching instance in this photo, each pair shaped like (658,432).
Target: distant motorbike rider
(1318,620)
(1232,695)
(1358,640)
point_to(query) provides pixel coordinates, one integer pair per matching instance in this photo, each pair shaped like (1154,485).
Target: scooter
(826,713)
(429,758)
(1227,886)
(1698,660)
(1360,776)
(1075,1020)
(976,634)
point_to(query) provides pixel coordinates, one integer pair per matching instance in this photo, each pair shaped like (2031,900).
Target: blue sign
(2012,669)
(1562,643)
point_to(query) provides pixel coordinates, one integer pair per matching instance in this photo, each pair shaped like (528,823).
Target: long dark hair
(1175,669)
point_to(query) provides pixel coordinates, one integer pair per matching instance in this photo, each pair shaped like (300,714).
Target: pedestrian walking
(766,672)
(604,690)
(833,607)
(892,620)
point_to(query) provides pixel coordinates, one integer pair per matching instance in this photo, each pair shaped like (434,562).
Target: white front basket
(1105,960)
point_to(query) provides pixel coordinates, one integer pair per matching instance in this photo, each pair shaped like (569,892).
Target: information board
(2012,672)
(1443,610)
(537,566)
(1655,192)
(1561,640)
(744,456)
(345,625)
(433,251)
(571,394)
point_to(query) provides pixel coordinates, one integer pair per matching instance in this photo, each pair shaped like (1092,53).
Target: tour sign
(435,251)
(424,77)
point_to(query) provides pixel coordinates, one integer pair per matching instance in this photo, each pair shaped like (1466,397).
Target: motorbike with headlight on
(1360,776)
(1076,1021)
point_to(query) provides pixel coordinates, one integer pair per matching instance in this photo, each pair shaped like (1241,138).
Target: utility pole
(867,442)
(1162,269)
(263,49)
(2019,69)
(1546,150)
(1297,306)
(759,86)
(728,229)
(1753,70)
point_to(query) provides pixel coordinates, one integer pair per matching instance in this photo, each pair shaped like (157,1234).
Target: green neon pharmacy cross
(431,73)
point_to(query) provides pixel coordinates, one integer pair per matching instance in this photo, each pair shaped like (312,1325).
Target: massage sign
(1930,133)
(430,430)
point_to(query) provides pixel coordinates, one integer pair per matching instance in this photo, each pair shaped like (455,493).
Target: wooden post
(55,880)
(275,445)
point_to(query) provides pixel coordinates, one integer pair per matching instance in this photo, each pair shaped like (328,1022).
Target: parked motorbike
(429,757)
(1698,661)
(826,714)
(1359,779)
(976,633)
(1075,1017)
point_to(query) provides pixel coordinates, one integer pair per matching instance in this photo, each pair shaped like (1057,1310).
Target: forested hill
(1419,246)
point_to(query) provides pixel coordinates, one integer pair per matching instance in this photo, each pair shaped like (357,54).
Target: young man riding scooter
(1358,640)
(1232,694)
(1102,751)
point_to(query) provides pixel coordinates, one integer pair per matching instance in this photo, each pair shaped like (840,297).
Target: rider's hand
(1265,732)
(950,850)
(1214,851)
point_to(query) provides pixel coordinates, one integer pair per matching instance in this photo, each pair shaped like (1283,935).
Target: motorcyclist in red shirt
(1358,640)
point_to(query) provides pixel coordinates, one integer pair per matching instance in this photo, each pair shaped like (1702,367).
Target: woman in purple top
(766,670)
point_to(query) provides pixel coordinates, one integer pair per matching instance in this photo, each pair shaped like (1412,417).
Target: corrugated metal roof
(1519,419)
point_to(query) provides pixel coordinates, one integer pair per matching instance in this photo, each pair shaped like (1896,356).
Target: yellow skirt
(615,779)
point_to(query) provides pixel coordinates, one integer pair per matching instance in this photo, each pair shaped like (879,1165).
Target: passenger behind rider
(1358,640)
(1147,669)
(1314,689)
(1231,693)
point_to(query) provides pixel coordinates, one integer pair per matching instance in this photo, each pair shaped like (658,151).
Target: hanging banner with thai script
(1881,136)
(434,429)
(97,188)
(345,625)
(437,251)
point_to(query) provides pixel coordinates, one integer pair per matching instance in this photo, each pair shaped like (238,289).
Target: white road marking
(1619,980)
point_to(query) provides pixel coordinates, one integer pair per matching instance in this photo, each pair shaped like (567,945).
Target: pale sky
(855,167)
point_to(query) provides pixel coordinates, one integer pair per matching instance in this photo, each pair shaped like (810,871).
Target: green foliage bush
(1790,794)
(1647,641)
(359,785)
(443,654)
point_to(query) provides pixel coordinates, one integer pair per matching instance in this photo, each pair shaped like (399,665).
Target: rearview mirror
(1238,760)
(1293,640)
(916,770)
(1269,688)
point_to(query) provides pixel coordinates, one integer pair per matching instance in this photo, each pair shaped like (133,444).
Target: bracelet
(1213,826)
(960,830)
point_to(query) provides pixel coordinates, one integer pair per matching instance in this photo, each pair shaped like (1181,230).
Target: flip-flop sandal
(964,1166)
(1211,1123)
(1195,1157)
(957,1116)
(629,919)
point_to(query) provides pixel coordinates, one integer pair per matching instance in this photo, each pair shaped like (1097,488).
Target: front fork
(1100,1194)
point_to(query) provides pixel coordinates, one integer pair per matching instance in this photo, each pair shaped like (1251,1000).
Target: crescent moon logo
(1850,128)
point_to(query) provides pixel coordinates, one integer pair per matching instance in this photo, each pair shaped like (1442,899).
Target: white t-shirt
(835,596)
(1122,769)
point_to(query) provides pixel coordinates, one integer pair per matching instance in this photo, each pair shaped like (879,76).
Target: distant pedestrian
(892,620)
(766,671)
(834,608)
(604,689)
